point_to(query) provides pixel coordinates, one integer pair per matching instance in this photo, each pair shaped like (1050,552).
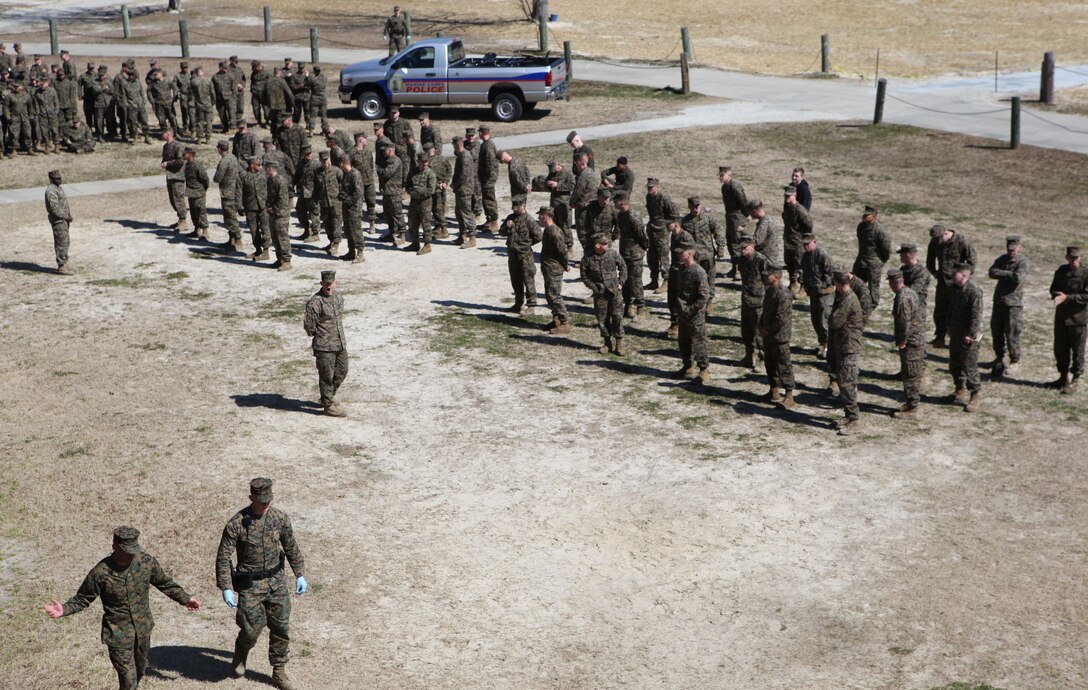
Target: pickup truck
(436,71)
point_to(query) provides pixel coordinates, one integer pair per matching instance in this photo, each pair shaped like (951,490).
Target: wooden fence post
(881,90)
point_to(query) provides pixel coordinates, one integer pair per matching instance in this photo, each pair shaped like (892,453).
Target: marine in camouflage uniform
(86,94)
(196,190)
(202,91)
(598,218)
(946,249)
(279,215)
(351,200)
(660,211)
(362,159)
(258,84)
(677,237)
(327,194)
(464,184)
(184,93)
(261,538)
(604,271)
(766,233)
(123,580)
(429,133)
(580,149)
(279,99)
(582,193)
(620,177)
(301,93)
(226,176)
(633,244)
(174,165)
(692,298)
(964,332)
(60,218)
(709,239)
(396,31)
(135,107)
(395,128)
(817,276)
(488,161)
(845,328)
(1010,270)
(390,174)
(522,233)
(239,77)
(162,96)
(559,184)
(307,208)
(751,265)
(874,250)
(915,275)
(1069,291)
(796,221)
(553,265)
(255,204)
(421,188)
(443,172)
(909,317)
(324,322)
(517,173)
(776,326)
(735,202)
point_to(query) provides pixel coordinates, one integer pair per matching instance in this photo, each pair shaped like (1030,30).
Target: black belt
(264,574)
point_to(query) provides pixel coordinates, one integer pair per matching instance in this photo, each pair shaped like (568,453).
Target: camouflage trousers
(256,102)
(561,215)
(60,241)
(1069,344)
(1005,326)
(870,273)
(20,133)
(792,254)
(522,278)
(319,110)
(371,198)
(490,201)
(419,216)
(266,603)
(239,106)
(202,129)
(393,211)
(553,291)
(332,369)
(164,113)
(734,228)
(397,44)
(353,227)
(670,296)
(658,255)
(632,288)
(333,221)
(48,128)
(301,110)
(136,120)
(749,333)
(130,663)
(848,383)
(693,339)
(225,108)
(913,363)
(709,265)
(230,218)
(308,213)
(819,310)
(275,121)
(175,190)
(832,362)
(608,307)
(477,199)
(281,240)
(963,365)
(438,209)
(940,309)
(779,365)
(198,209)
(466,219)
(258,229)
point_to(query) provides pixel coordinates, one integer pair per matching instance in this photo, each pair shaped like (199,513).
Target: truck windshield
(456,52)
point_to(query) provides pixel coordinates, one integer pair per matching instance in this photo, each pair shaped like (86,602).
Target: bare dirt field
(915,38)
(506,509)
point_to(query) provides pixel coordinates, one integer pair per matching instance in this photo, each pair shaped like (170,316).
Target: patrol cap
(422,156)
(253,160)
(394,109)
(151,62)
(685,243)
(126,539)
(261,488)
(54,174)
(458,140)
(515,203)
(604,192)
(771,270)
(254,63)
(1012,240)
(233,58)
(184,65)
(306,148)
(545,211)
(360,133)
(753,204)
(724,169)
(870,211)
(552,163)
(937,230)
(484,128)
(396,8)
(272,165)
(746,241)
(189,149)
(808,237)
(223,145)
(601,238)
(1072,252)
(242,124)
(907,248)
(570,137)
(429,146)
(895,274)
(840,276)
(960,267)
(470,131)
(131,62)
(222,64)
(90,64)
(694,200)
(323,155)
(102,69)
(287,61)
(789,190)
(424,116)
(327,277)
(267,140)
(652,182)
(621,195)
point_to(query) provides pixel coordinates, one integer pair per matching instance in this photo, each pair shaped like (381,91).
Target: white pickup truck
(436,71)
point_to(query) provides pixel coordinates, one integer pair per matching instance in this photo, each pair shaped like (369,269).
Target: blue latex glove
(300,585)
(229,598)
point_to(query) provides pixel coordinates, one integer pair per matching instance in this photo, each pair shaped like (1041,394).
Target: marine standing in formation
(324,322)
(1010,270)
(1069,292)
(60,219)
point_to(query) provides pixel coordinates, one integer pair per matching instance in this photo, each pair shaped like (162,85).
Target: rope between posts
(235,39)
(1072,71)
(946,112)
(1052,123)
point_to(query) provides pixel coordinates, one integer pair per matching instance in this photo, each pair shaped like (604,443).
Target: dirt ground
(914,38)
(506,509)
(593,103)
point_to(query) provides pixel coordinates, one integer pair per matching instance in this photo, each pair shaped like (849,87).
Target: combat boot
(674,332)
(619,347)
(629,311)
(284,266)
(795,288)
(771,396)
(832,389)
(1012,369)
(66,270)
(238,663)
(1060,383)
(459,240)
(973,403)
(263,256)
(1071,387)
(309,237)
(146,139)
(848,426)
(527,310)
(821,351)
(639,311)
(907,410)
(787,402)
(333,410)
(492,226)
(280,679)
(350,256)
(938,343)
(181,225)
(652,285)
(663,288)
(686,371)
(957,398)
(425,249)
(607,347)
(333,249)
(413,247)
(561,329)
(373,228)
(360,257)
(747,362)
(469,243)
(704,376)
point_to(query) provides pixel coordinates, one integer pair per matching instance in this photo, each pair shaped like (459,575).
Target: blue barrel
(553,18)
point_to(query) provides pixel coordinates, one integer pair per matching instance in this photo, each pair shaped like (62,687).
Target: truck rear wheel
(506,107)
(371,105)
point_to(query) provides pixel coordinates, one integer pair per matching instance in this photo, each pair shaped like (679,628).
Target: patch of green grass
(64,373)
(129,282)
(152,347)
(294,368)
(966,686)
(596,89)
(459,331)
(900,651)
(176,275)
(289,309)
(693,422)
(74,452)
(194,296)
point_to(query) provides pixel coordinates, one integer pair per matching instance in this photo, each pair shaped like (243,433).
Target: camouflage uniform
(60,215)
(319,102)
(861,290)
(710,242)
(597,219)
(196,190)
(223,85)
(519,177)
(816,272)
(203,95)
(362,159)
(845,327)
(623,180)
(940,258)
(431,134)
(909,315)
(226,176)
(395,130)
(258,84)
(796,221)
(767,235)
(560,201)
(777,320)
(279,217)
(675,242)
(126,610)
(238,75)
(1070,319)
(351,200)
(260,543)
(553,264)
(1006,320)
(874,250)
(443,172)
(327,193)
(633,245)
(135,108)
(47,107)
(255,204)
(916,277)
(396,29)
(692,296)
(604,274)
(421,189)
(324,322)
(161,94)
(752,291)
(390,175)
(661,210)
(736,218)
(307,208)
(280,100)
(183,91)
(301,94)
(464,185)
(86,93)
(581,194)
(244,145)
(489,174)
(175,179)
(965,320)
(523,233)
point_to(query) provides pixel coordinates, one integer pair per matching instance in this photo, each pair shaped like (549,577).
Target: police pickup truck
(436,71)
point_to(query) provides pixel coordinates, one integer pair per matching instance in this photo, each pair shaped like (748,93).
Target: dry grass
(1072,101)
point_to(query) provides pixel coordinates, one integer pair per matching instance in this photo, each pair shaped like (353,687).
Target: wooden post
(125,21)
(542,29)
(825,54)
(685,39)
(878,113)
(1046,85)
(267,24)
(1014,135)
(54,45)
(315,52)
(685,80)
(407,25)
(995,71)
(183,29)
(877,77)
(568,58)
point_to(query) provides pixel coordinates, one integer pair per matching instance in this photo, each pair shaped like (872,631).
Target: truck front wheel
(506,107)
(371,105)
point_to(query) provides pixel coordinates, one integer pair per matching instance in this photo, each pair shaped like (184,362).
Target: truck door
(415,78)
